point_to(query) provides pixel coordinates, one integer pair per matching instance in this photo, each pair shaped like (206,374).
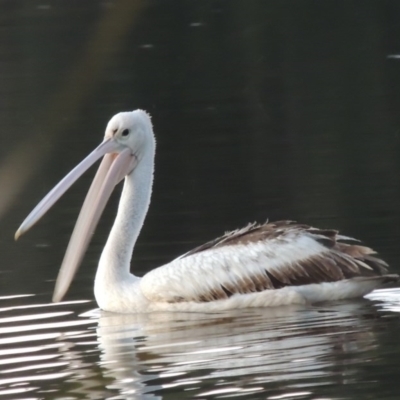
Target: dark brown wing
(262,257)
(346,257)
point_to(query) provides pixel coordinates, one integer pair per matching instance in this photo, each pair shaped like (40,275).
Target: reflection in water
(389,299)
(291,352)
(246,352)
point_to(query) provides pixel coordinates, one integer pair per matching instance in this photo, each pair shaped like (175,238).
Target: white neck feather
(114,265)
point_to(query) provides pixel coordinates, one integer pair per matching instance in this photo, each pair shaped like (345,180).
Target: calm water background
(262,109)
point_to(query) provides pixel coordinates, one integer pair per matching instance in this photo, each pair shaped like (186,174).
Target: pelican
(260,265)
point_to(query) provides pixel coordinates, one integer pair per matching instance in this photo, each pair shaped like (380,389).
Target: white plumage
(225,264)
(260,265)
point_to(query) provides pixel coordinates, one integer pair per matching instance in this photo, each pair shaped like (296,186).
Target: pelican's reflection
(146,354)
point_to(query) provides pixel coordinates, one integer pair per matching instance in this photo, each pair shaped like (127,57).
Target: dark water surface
(262,109)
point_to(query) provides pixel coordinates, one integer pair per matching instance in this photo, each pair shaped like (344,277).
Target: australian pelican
(258,266)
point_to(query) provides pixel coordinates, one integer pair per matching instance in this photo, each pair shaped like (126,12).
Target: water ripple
(283,353)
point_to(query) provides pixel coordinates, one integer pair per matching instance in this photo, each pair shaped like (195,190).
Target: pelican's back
(261,258)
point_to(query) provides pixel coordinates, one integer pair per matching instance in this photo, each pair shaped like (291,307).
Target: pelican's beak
(115,166)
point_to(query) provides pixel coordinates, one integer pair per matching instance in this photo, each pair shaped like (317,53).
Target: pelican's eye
(125,133)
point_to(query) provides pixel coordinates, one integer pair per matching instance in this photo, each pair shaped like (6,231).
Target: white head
(132,129)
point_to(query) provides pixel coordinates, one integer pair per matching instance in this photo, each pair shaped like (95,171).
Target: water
(261,110)
(343,351)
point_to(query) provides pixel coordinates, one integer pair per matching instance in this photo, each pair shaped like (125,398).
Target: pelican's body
(260,265)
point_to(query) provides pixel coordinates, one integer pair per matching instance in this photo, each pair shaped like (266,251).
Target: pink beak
(115,166)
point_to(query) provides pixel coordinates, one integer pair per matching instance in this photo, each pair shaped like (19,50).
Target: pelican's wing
(258,258)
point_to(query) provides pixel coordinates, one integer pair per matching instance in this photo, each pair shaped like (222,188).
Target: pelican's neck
(114,263)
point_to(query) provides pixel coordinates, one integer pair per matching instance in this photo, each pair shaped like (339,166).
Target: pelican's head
(127,136)
(130,130)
